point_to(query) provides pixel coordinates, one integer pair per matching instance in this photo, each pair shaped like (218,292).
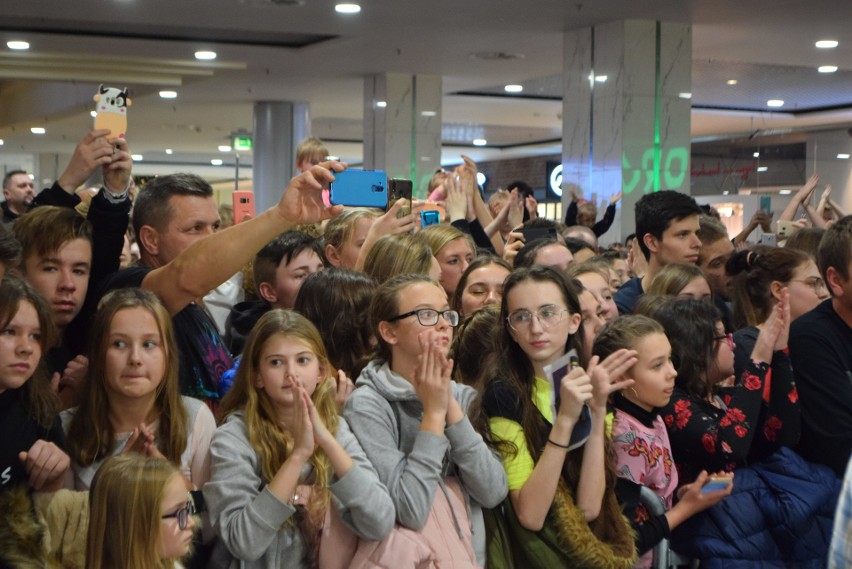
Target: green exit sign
(243,142)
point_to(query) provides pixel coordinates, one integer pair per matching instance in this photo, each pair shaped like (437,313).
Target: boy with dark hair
(666,231)
(280,268)
(821,352)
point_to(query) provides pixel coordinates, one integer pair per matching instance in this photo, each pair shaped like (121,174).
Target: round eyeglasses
(182,515)
(429,316)
(547,316)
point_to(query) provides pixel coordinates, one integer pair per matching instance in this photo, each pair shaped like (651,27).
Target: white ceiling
(148,45)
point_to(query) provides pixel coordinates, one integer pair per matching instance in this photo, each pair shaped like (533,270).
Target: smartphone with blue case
(360,188)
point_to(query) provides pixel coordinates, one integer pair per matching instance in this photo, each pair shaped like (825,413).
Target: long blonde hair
(272,444)
(124,513)
(91,435)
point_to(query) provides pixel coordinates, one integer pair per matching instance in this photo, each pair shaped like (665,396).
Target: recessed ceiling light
(137,157)
(381,104)
(479,142)
(756,154)
(1,142)
(205,55)
(347,8)
(169,151)
(514,88)
(763,169)
(429,113)
(685,95)
(785,192)
(725,193)
(481,179)
(37,130)
(224,148)
(93,113)
(732,81)
(826,44)
(17,44)
(843,157)
(827,68)
(601,78)
(216,162)
(774,103)
(168,94)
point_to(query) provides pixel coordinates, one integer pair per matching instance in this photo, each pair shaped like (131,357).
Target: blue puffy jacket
(780,515)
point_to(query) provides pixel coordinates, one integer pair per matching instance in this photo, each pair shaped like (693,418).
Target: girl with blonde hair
(454,251)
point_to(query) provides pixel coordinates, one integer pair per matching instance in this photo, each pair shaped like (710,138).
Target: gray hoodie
(249,519)
(384,412)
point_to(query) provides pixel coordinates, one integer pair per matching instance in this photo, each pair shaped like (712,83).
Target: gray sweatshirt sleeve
(245,514)
(361,499)
(411,479)
(481,471)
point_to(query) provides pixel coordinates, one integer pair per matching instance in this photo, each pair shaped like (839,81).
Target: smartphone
(429,217)
(398,189)
(243,201)
(786,229)
(537,233)
(766,203)
(360,188)
(769,239)
(716,483)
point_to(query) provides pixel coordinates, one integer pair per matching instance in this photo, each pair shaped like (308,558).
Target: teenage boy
(666,230)
(280,268)
(716,249)
(821,353)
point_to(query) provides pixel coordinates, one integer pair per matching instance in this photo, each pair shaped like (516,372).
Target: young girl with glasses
(640,440)
(562,509)
(283,457)
(32,452)
(140,515)
(717,428)
(410,417)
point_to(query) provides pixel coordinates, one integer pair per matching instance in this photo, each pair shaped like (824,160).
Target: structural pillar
(626,113)
(278,129)
(402,126)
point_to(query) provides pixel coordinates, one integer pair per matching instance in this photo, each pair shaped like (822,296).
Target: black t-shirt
(203,354)
(18,432)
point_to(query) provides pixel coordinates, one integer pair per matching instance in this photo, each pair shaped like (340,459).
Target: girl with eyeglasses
(717,428)
(411,419)
(562,510)
(140,515)
(283,459)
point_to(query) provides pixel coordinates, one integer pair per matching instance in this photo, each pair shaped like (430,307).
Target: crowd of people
(333,387)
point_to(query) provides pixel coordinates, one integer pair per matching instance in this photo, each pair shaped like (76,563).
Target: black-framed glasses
(729,337)
(429,316)
(182,515)
(548,316)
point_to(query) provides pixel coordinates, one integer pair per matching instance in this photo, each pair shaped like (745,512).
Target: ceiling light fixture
(685,95)
(732,81)
(168,94)
(347,8)
(205,55)
(763,169)
(785,192)
(216,162)
(428,113)
(826,44)
(479,142)
(1,142)
(827,68)
(169,151)
(600,78)
(17,45)
(774,103)
(756,154)
(93,113)
(38,130)
(381,104)
(224,148)
(514,88)
(137,157)
(843,156)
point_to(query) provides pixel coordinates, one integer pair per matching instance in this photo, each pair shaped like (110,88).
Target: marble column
(626,113)
(402,126)
(278,129)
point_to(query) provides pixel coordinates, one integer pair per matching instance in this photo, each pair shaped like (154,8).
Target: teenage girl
(31,451)
(131,400)
(642,448)
(481,284)
(411,419)
(283,457)
(454,251)
(562,509)
(140,515)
